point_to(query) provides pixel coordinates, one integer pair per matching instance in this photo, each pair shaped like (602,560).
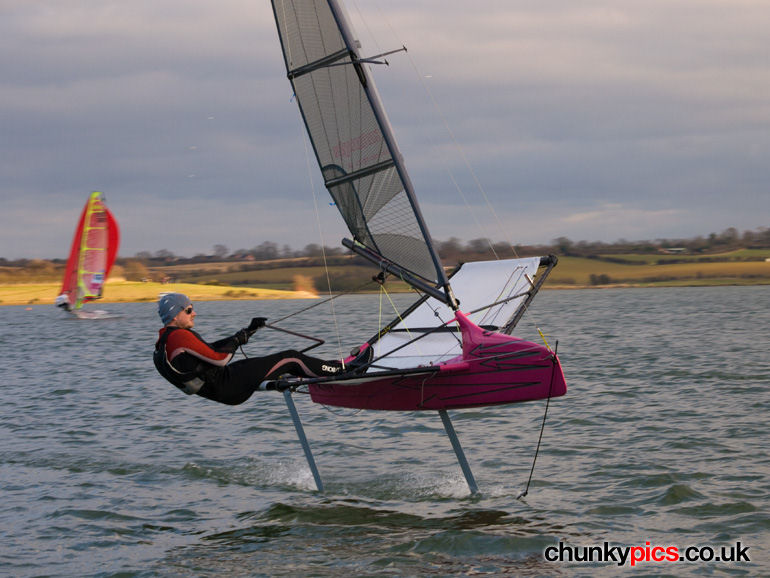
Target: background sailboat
(93,253)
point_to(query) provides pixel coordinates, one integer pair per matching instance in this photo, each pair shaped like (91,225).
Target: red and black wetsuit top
(185,359)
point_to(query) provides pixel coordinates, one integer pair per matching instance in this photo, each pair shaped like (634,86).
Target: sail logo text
(346,149)
(634,555)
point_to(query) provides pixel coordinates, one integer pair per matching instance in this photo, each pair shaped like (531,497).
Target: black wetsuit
(195,366)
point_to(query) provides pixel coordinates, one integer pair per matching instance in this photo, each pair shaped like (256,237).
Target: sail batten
(352,139)
(330,60)
(365,172)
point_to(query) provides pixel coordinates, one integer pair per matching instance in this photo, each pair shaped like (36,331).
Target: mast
(354,144)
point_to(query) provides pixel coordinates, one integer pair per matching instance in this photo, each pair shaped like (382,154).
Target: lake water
(662,437)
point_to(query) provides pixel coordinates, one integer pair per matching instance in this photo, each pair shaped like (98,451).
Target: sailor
(185,359)
(63,301)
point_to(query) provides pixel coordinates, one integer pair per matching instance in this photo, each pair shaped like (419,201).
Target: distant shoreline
(139,292)
(142,292)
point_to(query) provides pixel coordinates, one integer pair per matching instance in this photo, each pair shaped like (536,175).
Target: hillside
(142,280)
(120,291)
(734,268)
(744,267)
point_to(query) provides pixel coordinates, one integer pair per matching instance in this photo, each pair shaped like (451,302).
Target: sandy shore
(132,292)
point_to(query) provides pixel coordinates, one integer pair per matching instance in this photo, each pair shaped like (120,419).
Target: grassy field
(216,281)
(284,278)
(309,278)
(573,271)
(570,272)
(646,270)
(662,259)
(127,291)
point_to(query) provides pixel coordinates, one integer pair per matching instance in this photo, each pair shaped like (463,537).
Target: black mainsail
(353,142)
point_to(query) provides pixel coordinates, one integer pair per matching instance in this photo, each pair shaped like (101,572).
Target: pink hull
(494,369)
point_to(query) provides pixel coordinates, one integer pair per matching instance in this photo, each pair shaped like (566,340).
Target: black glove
(242,337)
(256,323)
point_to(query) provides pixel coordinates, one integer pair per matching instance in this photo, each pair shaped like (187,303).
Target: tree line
(455,250)
(451,251)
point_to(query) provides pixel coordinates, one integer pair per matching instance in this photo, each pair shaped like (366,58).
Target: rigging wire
(500,300)
(473,173)
(412,339)
(542,428)
(459,147)
(330,300)
(451,176)
(290,59)
(323,246)
(452,136)
(327,300)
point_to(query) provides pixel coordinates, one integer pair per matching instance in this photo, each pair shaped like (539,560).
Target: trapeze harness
(194,366)
(198,362)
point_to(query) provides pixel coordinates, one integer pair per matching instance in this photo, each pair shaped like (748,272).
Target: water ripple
(109,471)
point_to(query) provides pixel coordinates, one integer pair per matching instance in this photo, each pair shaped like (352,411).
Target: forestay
(503,284)
(351,136)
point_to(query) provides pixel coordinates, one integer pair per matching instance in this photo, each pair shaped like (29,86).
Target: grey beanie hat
(170,304)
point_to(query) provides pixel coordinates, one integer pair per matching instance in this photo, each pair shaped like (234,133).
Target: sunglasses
(188,310)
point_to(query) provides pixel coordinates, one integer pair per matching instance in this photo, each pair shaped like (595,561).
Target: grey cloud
(571,115)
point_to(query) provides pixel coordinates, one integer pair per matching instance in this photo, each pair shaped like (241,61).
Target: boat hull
(94,314)
(508,370)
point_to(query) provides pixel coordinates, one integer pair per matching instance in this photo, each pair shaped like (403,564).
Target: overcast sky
(589,119)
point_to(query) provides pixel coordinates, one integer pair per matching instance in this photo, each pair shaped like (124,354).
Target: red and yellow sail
(93,252)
